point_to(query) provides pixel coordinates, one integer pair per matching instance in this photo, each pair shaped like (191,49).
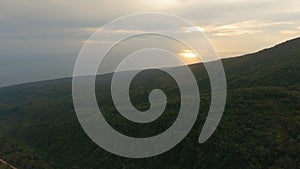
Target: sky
(41,39)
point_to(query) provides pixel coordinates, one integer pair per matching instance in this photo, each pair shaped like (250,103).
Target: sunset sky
(51,29)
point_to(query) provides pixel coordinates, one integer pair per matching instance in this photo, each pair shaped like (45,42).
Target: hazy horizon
(64,68)
(41,40)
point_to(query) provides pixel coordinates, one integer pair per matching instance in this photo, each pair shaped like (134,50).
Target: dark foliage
(259,129)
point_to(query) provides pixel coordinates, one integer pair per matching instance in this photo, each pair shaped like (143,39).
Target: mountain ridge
(259,128)
(282,44)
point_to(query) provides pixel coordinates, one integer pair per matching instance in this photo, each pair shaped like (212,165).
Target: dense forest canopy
(259,129)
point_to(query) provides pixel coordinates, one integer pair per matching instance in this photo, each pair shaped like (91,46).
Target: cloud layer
(62,26)
(41,39)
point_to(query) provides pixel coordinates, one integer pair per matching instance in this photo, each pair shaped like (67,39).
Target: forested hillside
(259,128)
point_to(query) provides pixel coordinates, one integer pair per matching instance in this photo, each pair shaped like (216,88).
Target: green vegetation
(21,156)
(259,129)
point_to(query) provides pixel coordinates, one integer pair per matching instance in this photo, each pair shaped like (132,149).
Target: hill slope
(259,129)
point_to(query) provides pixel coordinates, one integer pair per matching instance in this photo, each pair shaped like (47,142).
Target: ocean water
(17,69)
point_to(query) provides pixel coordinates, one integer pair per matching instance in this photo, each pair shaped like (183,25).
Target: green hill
(259,129)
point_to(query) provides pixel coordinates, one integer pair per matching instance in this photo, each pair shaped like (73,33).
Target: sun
(188,57)
(188,54)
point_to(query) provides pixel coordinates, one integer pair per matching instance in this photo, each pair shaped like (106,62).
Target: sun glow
(188,54)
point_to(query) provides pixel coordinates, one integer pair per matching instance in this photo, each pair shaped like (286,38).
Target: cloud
(101,42)
(111,31)
(289,32)
(74,21)
(192,29)
(241,28)
(90,29)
